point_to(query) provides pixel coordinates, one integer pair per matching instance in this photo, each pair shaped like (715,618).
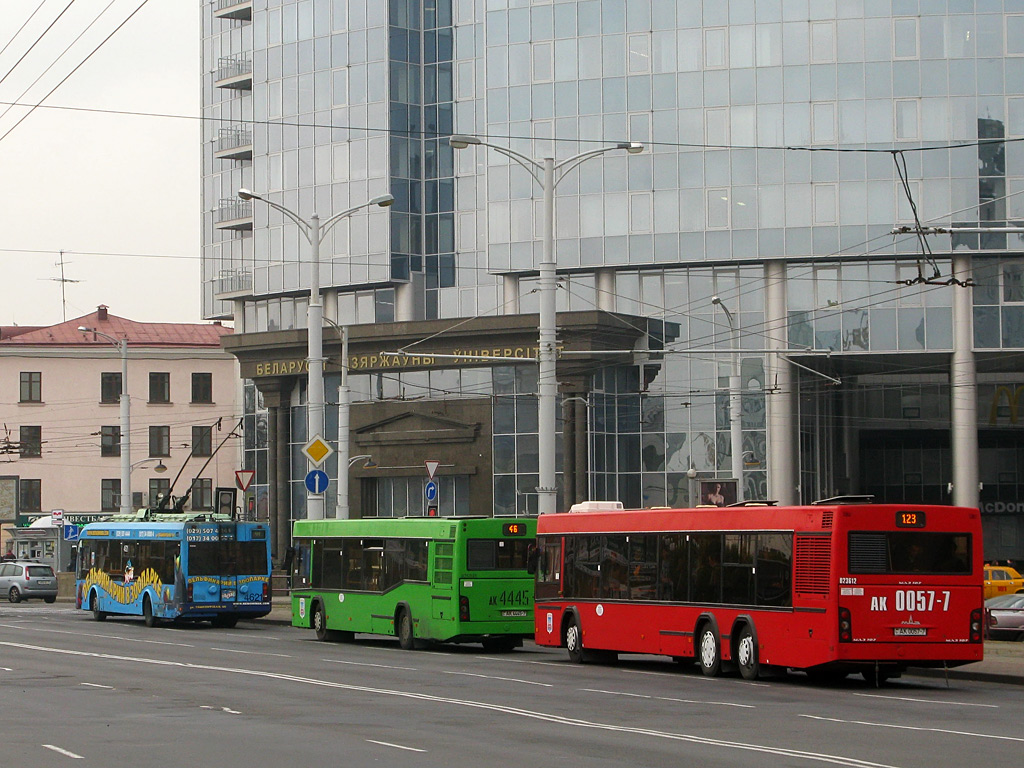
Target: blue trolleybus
(174,566)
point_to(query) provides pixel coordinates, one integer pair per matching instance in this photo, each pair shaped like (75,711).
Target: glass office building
(785,141)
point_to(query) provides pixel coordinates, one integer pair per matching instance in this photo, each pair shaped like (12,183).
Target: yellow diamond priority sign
(317,450)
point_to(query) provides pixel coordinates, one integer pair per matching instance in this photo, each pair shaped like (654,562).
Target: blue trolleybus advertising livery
(176,566)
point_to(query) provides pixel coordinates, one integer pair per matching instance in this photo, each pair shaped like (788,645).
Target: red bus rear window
(910,552)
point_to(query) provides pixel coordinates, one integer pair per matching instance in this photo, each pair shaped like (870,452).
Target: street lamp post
(548,174)
(735,401)
(314,231)
(125,403)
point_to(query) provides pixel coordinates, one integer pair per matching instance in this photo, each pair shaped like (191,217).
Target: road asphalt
(1003,662)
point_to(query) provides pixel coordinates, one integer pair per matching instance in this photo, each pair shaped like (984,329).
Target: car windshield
(1004,601)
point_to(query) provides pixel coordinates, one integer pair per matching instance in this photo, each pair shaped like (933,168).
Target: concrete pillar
(781,386)
(510,295)
(605,284)
(963,380)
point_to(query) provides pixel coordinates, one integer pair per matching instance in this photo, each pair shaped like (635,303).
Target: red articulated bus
(837,587)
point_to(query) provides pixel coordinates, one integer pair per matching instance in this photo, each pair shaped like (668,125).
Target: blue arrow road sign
(316,481)
(430,491)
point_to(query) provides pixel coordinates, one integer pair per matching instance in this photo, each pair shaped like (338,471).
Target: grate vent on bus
(812,564)
(826,519)
(869,553)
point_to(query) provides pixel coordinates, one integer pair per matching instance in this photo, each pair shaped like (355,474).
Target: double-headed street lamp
(735,401)
(548,174)
(125,402)
(313,231)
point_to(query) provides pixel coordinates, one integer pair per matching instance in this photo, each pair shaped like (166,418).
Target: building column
(963,380)
(510,294)
(781,392)
(276,397)
(582,449)
(605,284)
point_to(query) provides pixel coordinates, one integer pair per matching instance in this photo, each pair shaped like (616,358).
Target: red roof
(137,334)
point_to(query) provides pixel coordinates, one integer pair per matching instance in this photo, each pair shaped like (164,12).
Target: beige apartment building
(60,416)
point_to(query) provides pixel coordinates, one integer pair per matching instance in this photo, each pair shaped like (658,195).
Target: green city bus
(424,579)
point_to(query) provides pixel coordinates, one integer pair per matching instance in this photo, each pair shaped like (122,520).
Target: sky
(118,193)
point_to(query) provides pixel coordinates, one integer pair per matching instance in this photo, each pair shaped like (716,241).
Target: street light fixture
(313,231)
(125,403)
(735,401)
(544,172)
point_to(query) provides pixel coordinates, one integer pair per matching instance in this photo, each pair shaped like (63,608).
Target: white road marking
(101,637)
(915,728)
(507,660)
(927,701)
(366,664)
(433,699)
(63,751)
(254,653)
(222,709)
(97,685)
(506,679)
(396,746)
(669,698)
(6,669)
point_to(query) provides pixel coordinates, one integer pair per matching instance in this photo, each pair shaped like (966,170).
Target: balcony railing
(233,214)
(233,9)
(234,72)
(233,282)
(233,144)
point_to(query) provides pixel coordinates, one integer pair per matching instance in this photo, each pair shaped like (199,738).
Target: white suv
(23,579)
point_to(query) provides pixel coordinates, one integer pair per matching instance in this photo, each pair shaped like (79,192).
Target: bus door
(442,604)
(501,589)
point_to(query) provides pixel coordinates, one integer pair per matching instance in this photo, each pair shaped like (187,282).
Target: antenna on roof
(62,280)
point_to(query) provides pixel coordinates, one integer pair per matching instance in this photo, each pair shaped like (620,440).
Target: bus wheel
(320,623)
(94,606)
(147,612)
(574,642)
(405,638)
(746,655)
(710,655)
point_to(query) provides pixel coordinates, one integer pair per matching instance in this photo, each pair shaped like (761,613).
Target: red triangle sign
(432,468)
(243,477)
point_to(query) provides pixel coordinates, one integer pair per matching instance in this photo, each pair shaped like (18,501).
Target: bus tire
(574,641)
(746,654)
(405,636)
(710,651)
(320,623)
(147,612)
(94,606)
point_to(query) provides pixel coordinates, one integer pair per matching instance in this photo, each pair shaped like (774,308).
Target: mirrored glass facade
(789,135)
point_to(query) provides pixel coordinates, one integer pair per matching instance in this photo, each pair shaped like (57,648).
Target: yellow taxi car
(1002,580)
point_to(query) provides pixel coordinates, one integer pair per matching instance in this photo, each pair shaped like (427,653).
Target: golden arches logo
(123,593)
(1012,401)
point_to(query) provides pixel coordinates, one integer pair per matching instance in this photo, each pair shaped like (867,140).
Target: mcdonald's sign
(1012,403)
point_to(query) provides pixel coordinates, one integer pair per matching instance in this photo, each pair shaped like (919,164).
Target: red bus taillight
(188,593)
(976,625)
(845,626)
(463,608)
(266,590)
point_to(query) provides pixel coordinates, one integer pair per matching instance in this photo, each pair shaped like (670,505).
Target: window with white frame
(823,42)
(907,119)
(716,48)
(717,208)
(905,36)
